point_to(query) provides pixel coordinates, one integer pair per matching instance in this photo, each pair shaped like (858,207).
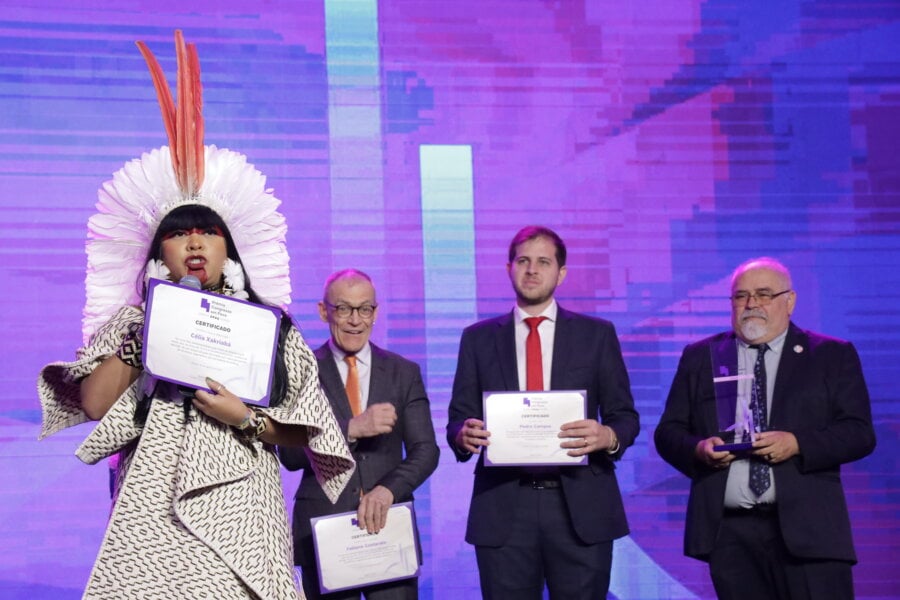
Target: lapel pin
(798,349)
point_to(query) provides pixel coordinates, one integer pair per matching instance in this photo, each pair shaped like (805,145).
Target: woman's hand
(221,404)
(227,408)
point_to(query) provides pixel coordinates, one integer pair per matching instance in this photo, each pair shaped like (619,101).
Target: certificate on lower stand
(190,335)
(349,557)
(524,427)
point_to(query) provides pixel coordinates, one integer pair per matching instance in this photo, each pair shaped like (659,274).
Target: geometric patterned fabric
(199,512)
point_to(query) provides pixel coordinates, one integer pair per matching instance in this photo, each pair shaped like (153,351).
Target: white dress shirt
(737,491)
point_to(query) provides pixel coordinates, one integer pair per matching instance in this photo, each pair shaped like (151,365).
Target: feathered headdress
(133,203)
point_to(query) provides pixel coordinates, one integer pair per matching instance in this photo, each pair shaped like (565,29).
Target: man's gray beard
(753,329)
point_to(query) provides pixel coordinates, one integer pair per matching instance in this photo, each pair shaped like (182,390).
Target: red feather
(183,118)
(163,94)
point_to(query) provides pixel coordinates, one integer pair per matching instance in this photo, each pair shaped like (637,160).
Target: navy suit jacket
(380,459)
(586,355)
(820,396)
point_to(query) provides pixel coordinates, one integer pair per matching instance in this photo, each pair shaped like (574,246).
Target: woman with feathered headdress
(199,510)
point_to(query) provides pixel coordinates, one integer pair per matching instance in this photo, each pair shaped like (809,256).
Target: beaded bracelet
(253,425)
(129,351)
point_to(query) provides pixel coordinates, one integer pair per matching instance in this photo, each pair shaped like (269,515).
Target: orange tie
(534,364)
(352,385)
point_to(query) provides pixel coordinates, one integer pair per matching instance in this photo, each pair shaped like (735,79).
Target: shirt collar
(364,356)
(775,345)
(549,312)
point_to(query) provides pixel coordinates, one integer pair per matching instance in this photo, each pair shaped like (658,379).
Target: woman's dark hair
(190,216)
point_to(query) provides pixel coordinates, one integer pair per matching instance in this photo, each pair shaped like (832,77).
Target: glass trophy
(734,393)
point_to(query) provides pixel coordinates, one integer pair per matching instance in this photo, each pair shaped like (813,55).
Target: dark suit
(586,355)
(820,396)
(379,460)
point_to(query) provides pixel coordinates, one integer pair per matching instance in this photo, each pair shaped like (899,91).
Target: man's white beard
(752,329)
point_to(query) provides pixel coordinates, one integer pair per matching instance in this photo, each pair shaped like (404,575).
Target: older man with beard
(771,521)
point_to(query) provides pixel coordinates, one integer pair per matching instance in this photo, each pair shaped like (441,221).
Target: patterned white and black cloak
(199,513)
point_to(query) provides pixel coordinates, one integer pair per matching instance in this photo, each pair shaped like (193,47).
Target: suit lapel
(330,378)
(561,350)
(506,350)
(378,380)
(790,359)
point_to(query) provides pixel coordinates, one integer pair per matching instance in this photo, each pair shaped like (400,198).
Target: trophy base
(736,447)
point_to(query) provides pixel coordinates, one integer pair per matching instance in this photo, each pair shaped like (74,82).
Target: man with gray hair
(769,514)
(380,403)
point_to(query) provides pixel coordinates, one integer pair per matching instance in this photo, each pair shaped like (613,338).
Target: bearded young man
(550,526)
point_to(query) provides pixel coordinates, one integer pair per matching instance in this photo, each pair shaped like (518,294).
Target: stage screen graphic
(666,141)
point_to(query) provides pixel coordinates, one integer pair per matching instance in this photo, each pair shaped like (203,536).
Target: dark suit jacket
(586,355)
(820,396)
(379,460)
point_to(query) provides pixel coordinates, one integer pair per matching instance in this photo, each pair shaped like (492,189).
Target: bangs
(190,216)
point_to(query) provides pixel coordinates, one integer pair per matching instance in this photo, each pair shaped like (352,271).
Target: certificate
(524,427)
(190,335)
(349,557)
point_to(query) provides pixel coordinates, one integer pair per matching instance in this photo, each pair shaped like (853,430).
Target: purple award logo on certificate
(191,334)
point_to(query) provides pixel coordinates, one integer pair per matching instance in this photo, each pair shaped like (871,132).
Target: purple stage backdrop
(665,140)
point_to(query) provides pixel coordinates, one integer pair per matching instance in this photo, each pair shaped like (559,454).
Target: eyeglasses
(343,311)
(763,297)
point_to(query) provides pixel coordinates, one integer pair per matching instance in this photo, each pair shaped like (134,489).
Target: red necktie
(352,385)
(534,364)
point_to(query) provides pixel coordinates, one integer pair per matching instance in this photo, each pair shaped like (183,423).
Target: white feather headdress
(133,203)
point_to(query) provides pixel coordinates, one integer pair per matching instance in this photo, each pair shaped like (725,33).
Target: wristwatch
(615,446)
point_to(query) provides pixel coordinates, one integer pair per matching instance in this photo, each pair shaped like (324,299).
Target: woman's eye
(174,234)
